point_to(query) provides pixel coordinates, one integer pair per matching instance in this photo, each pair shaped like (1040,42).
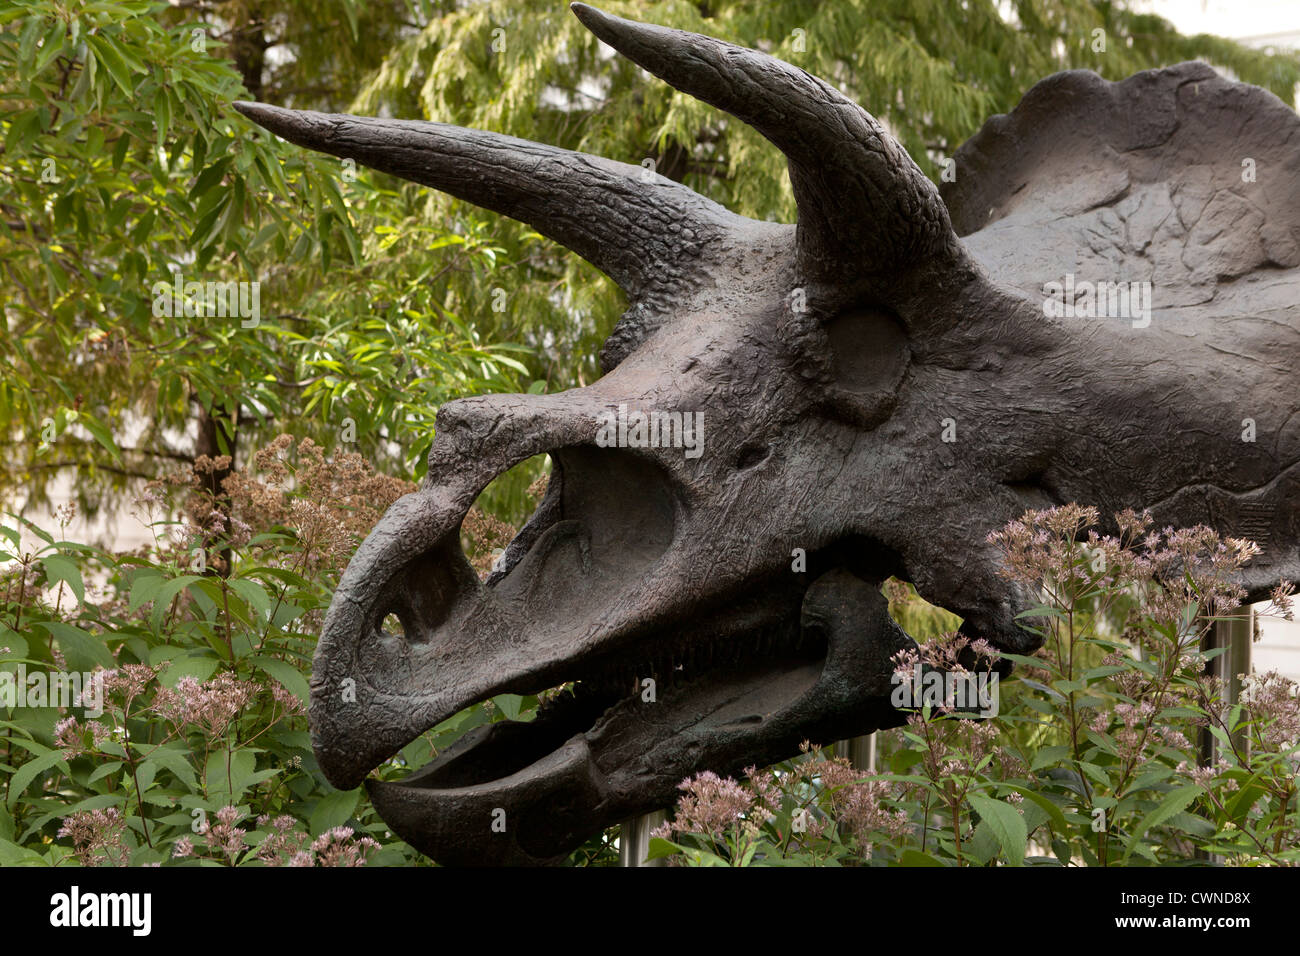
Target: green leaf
(104,770)
(1158,773)
(1096,773)
(1053,811)
(1061,850)
(1006,823)
(11,854)
(332,810)
(51,46)
(660,848)
(17,646)
(253,594)
(144,587)
(100,434)
(983,846)
(27,39)
(144,775)
(1244,799)
(163,599)
(197,664)
(162,111)
(508,704)
(86,79)
(1048,756)
(350,12)
(108,53)
(1174,802)
(289,676)
(82,651)
(209,178)
(29,771)
(1190,823)
(59,568)
(176,761)
(1147,853)
(917,858)
(228,778)
(119,151)
(22,130)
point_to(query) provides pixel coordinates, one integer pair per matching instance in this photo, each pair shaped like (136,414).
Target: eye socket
(752,455)
(869,356)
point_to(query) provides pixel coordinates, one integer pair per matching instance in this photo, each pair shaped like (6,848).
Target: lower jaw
(530,793)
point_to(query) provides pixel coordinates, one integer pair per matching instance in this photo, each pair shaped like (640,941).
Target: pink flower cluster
(211,705)
(97,837)
(129,680)
(1177,567)
(859,801)
(339,847)
(75,738)
(1273,702)
(223,837)
(711,805)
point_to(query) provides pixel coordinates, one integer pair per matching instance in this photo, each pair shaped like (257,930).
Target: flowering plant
(1098,754)
(198,646)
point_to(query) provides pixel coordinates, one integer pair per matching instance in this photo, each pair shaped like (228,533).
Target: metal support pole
(1236,634)
(634,839)
(861,752)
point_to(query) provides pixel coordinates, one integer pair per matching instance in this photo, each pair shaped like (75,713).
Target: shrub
(200,644)
(1092,759)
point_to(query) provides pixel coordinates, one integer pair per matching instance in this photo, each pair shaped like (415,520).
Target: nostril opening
(752,455)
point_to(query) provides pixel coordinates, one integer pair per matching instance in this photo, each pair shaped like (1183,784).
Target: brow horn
(862,200)
(639,230)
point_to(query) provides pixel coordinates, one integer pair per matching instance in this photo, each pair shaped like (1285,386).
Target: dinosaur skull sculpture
(873,389)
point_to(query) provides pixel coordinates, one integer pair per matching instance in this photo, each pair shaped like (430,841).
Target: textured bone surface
(879,386)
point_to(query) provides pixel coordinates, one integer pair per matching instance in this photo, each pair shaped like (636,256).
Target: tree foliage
(932,70)
(1092,754)
(123,164)
(123,168)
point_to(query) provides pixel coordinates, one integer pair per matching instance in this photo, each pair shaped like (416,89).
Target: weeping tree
(132,197)
(123,166)
(931,71)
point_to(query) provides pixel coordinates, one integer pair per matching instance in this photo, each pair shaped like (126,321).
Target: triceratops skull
(875,393)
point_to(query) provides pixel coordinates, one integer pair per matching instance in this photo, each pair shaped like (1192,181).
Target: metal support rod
(1236,635)
(861,752)
(634,839)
